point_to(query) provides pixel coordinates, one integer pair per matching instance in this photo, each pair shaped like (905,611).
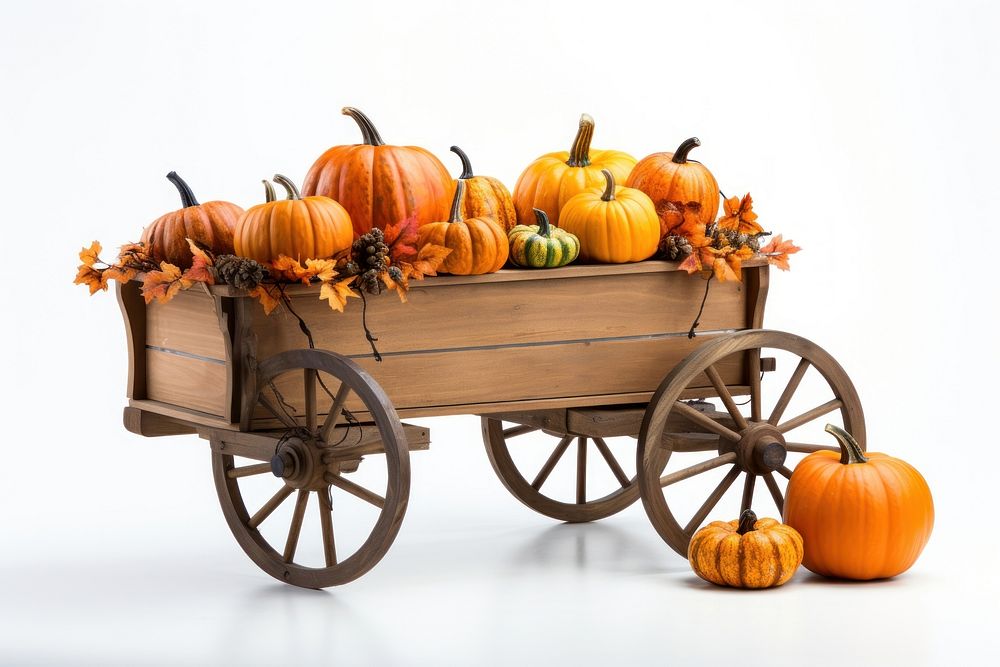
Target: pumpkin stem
(681,154)
(747,521)
(187,197)
(850,450)
(466,166)
(579,154)
(268,191)
(369,135)
(456,203)
(293,192)
(544,228)
(609,185)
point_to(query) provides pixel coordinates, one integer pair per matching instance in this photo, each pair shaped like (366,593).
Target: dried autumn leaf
(92,278)
(428,260)
(401,286)
(162,285)
(89,256)
(778,250)
(402,239)
(200,262)
(736,258)
(691,263)
(338,293)
(739,216)
(323,270)
(266,297)
(122,274)
(290,270)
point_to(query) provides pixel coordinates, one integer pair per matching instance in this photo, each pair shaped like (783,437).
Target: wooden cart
(579,353)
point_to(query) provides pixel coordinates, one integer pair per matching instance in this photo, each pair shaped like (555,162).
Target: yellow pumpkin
(478,245)
(550,181)
(615,224)
(748,553)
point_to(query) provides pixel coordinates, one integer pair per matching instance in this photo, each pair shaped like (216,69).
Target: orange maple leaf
(162,285)
(323,270)
(402,239)
(91,277)
(778,250)
(89,256)
(428,260)
(739,216)
(338,293)
(200,262)
(402,286)
(266,297)
(290,270)
(122,274)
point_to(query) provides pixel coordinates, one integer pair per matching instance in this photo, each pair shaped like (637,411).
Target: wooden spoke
(296,527)
(806,448)
(727,398)
(706,422)
(691,442)
(807,417)
(581,470)
(697,469)
(772,486)
(309,381)
(712,500)
(785,472)
(270,506)
(279,414)
(355,489)
(326,522)
(333,416)
(246,471)
(748,485)
(553,459)
(612,462)
(754,371)
(521,429)
(789,391)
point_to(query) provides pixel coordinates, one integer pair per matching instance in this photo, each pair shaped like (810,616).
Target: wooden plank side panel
(475,315)
(186,382)
(187,323)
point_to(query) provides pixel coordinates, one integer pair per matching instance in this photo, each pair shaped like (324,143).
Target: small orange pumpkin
(862,516)
(747,553)
(615,224)
(478,245)
(485,195)
(550,181)
(298,227)
(210,224)
(380,185)
(672,178)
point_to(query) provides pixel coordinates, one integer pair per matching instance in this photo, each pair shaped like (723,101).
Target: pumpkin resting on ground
(672,178)
(485,195)
(542,246)
(380,185)
(862,516)
(210,224)
(478,245)
(298,227)
(748,553)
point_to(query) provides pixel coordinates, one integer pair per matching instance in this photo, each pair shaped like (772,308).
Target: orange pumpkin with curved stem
(211,224)
(478,245)
(551,180)
(746,553)
(378,184)
(298,227)
(485,195)
(673,178)
(861,515)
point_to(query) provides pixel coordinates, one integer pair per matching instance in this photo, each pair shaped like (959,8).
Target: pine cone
(675,247)
(240,272)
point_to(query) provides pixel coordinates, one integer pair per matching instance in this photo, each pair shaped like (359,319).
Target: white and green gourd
(542,246)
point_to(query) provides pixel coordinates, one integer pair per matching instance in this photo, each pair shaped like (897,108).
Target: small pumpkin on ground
(615,224)
(478,245)
(542,246)
(297,227)
(671,178)
(747,553)
(210,224)
(485,195)
(550,181)
(862,516)
(378,184)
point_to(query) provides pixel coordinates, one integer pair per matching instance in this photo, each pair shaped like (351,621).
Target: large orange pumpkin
(673,178)
(298,227)
(485,195)
(861,516)
(211,224)
(615,224)
(381,185)
(478,245)
(550,181)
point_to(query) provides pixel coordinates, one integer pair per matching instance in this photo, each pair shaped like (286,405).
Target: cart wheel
(305,462)
(573,505)
(751,445)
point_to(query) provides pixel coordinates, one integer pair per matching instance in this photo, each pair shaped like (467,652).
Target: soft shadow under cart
(577,356)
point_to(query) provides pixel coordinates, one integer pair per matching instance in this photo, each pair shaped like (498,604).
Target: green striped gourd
(542,246)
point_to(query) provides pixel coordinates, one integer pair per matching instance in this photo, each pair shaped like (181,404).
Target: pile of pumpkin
(565,205)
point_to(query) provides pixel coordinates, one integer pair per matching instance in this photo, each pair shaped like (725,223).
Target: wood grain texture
(185,382)
(153,425)
(187,323)
(134,313)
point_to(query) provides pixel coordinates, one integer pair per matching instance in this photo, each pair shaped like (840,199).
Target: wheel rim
(742,442)
(308,465)
(575,503)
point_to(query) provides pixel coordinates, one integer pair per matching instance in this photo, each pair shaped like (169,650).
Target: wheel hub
(761,448)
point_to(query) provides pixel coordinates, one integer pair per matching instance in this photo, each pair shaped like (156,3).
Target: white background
(866,133)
